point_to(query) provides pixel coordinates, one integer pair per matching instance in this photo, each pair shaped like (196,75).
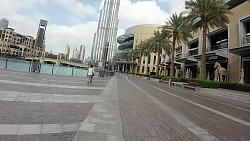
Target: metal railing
(192,52)
(22,65)
(217,47)
(245,40)
(178,56)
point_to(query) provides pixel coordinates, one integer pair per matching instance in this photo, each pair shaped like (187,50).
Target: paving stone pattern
(44,107)
(41,107)
(142,119)
(217,125)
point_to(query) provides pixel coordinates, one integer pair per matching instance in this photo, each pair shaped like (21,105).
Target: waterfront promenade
(42,107)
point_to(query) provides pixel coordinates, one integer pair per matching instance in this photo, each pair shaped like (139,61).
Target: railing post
(53,69)
(30,67)
(73,71)
(39,69)
(6,64)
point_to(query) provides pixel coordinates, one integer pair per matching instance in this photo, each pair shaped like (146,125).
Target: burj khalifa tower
(104,41)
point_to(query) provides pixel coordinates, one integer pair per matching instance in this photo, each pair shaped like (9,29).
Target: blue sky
(74,22)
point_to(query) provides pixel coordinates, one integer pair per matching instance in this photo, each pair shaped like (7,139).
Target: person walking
(90,74)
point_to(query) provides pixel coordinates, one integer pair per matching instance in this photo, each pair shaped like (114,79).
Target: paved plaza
(41,107)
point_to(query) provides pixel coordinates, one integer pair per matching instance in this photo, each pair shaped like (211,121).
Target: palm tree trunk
(133,66)
(157,64)
(146,68)
(203,55)
(172,58)
(126,67)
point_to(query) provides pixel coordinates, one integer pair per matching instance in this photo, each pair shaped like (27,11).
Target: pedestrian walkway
(40,107)
(44,107)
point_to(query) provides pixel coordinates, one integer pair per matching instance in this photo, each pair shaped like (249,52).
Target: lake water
(23,65)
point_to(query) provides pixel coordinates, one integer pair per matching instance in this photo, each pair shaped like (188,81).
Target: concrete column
(123,67)
(42,60)
(58,62)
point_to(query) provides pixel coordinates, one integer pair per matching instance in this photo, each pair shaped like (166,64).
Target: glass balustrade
(23,65)
(246,40)
(193,51)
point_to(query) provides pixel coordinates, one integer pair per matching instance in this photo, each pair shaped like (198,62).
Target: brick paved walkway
(144,120)
(223,120)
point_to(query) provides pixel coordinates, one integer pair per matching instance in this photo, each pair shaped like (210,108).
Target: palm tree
(145,48)
(127,57)
(159,43)
(204,14)
(177,29)
(134,54)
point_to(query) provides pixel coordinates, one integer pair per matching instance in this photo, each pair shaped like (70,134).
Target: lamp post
(104,57)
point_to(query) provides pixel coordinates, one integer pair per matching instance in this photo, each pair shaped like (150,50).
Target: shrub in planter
(205,83)
(145,75)
(183,79)
(173,79)
(235,86)
(156,76)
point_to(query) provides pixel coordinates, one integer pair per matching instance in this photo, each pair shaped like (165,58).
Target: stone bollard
(169,82)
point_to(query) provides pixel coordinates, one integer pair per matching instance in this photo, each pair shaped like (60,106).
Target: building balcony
(192,52)
(246,40)
(178,56)
(219,46)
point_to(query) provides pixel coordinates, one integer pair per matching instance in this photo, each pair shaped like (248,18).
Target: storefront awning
(243,51)
(211,57)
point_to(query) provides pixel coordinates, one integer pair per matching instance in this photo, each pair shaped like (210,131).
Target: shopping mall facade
(228,46)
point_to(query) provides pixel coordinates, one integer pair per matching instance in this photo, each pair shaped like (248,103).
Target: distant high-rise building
(40,37)
(4,23)
(67,51)
(82,53)
(106,31)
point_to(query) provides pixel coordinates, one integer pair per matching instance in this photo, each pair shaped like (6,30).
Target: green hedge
(156,76)
(205,83)
(145,75)
(235,86)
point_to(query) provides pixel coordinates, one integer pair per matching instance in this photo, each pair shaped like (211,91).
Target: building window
(178,52)
(245,31)
(193,47)
(218,40)
(149,59)
(154,59)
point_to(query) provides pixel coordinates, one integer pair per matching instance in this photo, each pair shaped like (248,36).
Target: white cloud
(78,8)
(58,36)
(140,12)
(174,5)
(23,23)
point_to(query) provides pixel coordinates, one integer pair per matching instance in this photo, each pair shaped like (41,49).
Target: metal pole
(53,69)
(73,71)
(6,64)
(30,67)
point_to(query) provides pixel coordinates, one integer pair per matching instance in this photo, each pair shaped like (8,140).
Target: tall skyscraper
(67,51)
(4,23)
(106,32)
(82,53)
(40,37)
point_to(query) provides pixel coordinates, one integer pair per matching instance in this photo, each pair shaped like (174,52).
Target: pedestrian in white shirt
(90,74)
